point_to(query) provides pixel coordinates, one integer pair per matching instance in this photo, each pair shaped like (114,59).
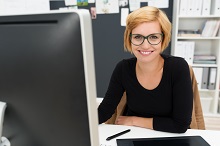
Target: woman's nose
(145,44)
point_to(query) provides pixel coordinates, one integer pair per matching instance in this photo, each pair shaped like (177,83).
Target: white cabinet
(202,46)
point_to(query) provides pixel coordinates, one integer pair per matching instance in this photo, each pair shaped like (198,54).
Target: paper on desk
(23,6)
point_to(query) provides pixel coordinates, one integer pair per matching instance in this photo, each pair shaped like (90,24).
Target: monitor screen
(47,79)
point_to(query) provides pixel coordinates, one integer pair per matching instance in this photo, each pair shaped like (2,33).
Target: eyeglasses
(153,39)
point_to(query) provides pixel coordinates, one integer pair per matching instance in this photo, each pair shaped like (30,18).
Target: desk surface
(106,130)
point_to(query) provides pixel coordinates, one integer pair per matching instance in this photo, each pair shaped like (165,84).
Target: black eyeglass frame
(146,37)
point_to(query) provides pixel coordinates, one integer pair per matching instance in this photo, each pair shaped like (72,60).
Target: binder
(212,78)
(205,75)
(215,7)
(180,49)
(189,51)
(198,74)
(190,7)
(185,49)
(206,7)
(183,7)
(197,7)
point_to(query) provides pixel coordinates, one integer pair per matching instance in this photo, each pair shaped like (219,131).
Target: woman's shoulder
(174,61)
(127,62)
(125,65)
(171,57)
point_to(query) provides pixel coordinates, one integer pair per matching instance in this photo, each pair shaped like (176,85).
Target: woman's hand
(124,120)
(135,121)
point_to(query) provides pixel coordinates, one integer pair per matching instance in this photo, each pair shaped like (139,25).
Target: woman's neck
(151,67)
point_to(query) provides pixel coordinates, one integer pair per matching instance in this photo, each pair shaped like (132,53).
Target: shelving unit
(203,45)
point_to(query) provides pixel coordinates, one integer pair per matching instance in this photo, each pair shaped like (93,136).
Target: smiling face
(147,52)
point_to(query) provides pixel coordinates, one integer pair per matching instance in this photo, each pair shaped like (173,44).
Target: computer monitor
(47,79)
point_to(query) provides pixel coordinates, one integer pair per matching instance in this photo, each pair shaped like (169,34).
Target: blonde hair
(147,14)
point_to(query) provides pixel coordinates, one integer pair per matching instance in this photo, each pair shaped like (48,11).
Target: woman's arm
(135,121)
(113,95)
(182,100)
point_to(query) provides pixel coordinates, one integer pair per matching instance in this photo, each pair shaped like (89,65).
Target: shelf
(198,45)
(211,115)
(206,90)
(198,38)
(205,16)
(204,65)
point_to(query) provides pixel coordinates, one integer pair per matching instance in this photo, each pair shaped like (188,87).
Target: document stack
(211,28)
(185,49)
(189,33)
(205,77)
(204,59)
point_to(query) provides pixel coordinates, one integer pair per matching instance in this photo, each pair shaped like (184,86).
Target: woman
(158,87)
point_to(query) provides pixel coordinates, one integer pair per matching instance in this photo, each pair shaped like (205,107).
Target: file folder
(215,7)
(212,78)
(197,7)
(183,7)
(180,49)
(189,51)
(198,74)
(206,7)
(190,7)
(205,74)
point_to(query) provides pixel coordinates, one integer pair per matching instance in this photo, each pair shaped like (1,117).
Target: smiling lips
(145,52)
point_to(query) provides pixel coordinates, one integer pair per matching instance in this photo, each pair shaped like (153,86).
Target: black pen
(118,134)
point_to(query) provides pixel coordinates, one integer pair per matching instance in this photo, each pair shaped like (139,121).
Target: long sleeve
(182,102)
(112,96)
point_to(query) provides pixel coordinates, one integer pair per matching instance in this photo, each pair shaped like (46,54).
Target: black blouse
(169,104)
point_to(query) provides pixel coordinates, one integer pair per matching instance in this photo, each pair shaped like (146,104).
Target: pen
(118,134)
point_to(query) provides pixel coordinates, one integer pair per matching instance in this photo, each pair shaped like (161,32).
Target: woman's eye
(153,37)
(138,37)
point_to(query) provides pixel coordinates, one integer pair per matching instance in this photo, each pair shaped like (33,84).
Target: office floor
(212,123)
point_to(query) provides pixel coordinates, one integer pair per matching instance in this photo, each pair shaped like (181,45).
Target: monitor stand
(3,140)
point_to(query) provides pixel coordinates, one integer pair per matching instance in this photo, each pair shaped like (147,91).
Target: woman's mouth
(145,52)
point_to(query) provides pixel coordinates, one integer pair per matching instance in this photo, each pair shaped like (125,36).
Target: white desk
(106,130)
